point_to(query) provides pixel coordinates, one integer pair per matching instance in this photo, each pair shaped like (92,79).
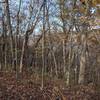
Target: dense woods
(51,47)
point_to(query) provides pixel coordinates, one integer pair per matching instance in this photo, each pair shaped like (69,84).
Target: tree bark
(82,61)
(7,12)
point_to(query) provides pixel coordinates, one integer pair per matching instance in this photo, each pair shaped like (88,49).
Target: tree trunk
(82,61)
(64,56)
(9,29)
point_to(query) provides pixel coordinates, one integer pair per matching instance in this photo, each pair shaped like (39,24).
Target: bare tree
(8,19)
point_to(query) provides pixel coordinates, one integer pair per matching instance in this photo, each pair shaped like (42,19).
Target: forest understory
(29,88)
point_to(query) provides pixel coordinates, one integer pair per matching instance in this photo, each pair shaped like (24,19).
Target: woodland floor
(29,88)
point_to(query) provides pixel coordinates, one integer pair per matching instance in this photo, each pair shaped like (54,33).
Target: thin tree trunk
(22,56)
(4,45)
(82,61)
(9,29)
(69,61)
(64,56)
(17,41)
(43,45)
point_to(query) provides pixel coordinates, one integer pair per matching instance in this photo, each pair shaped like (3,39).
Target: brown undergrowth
(29,88)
